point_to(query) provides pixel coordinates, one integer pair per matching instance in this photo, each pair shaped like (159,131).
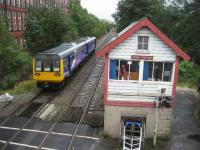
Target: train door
(72,61)
(87,49)
(66,66)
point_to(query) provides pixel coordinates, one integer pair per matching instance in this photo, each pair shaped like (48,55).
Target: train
(52,67)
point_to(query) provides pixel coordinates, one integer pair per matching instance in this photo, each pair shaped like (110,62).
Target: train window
(38,65)
(47,65)
(56,65)
(65,65)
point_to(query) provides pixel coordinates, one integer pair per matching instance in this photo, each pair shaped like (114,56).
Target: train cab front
(47,71)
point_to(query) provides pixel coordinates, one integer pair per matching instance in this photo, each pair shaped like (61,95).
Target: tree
(47,28)
(86,24)
(129,11)
(14,64)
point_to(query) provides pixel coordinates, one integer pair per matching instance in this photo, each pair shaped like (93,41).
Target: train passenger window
(47,65)
(56,65)
(38,65)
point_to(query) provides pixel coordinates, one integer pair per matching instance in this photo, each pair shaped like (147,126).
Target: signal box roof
(134,27)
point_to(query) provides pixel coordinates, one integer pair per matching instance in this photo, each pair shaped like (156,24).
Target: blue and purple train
(53,66)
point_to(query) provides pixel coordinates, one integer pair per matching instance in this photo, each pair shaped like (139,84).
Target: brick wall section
(112,119)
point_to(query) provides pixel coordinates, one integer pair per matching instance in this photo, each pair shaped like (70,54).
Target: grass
(160,145)
(187,84)
(20,88)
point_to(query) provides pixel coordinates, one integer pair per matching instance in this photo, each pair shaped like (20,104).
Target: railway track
(29,110)
(80,101)
(79,106)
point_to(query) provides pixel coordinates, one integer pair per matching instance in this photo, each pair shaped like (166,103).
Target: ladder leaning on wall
(132,136)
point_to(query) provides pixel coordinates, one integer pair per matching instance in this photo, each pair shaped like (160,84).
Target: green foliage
(46,29)
(8,81)
(129,11)
(14,64)
(188,74)
(86,24)
(179,19)
(20,88)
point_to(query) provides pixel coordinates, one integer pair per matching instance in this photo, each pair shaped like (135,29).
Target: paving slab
(6,134)
(31,138)
(1,145)
(57,142)
(15,147)
(37,124)
(16,122)
(67,128)
(2,119)
(88,144)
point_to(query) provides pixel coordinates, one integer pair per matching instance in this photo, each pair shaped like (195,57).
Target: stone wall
(113,119)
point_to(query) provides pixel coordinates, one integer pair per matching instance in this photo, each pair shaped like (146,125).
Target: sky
(103,9)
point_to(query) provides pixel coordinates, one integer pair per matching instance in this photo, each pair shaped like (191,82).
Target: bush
(188,74)
(14,64)
(8,81)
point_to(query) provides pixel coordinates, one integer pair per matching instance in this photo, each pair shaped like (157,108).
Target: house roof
(134,27)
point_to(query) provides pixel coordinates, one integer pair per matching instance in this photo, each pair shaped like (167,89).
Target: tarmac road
(185,132)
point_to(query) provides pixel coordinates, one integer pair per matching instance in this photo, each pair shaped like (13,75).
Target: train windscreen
(47,63)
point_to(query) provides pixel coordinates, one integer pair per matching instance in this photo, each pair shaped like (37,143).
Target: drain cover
(28,112)
(195,137)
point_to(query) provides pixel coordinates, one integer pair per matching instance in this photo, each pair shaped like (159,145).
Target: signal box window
(143,42)
(124,70)
(157,71)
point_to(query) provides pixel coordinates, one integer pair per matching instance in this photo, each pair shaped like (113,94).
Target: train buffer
(132,135)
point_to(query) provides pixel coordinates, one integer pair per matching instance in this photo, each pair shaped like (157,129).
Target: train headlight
(57,74)
(37,74)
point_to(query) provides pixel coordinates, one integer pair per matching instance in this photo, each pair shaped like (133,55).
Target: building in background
(13,12)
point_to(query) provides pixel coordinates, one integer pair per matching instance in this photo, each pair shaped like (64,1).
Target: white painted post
(156,124)
(131,142)
(140,138)
(124,139)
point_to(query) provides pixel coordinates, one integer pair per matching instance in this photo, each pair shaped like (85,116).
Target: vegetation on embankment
(48,28)
(14,64)
(188,74)
(45,28)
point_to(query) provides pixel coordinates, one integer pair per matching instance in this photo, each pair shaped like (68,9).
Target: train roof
(66,48)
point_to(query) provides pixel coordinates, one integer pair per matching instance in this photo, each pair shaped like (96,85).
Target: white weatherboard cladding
(140,91)
(131,91)
(157,48)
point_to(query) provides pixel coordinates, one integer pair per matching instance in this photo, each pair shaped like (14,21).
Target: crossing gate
(132,135)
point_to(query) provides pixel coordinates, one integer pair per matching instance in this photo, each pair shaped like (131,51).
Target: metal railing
(132,142)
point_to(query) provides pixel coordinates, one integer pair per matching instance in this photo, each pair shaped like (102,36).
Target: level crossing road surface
(185,131)
(31,136)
